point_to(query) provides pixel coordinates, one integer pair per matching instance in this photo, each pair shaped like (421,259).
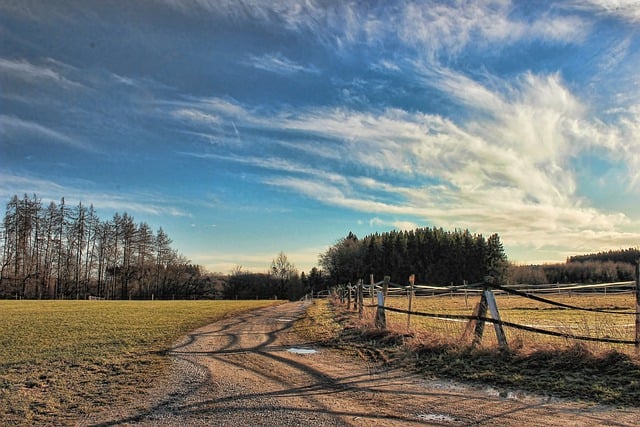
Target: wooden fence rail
(380,291)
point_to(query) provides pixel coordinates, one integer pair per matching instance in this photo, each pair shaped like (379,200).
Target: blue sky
(246,128)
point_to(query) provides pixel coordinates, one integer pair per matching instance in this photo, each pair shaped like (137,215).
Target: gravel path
(252,370)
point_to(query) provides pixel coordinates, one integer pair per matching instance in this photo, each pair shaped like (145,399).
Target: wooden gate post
(495,315)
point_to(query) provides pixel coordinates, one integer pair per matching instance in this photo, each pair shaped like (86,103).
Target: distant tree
(246,285)
(496,260)
(526,274)
(282,268)
(316,280)
(286,274)
(344,261)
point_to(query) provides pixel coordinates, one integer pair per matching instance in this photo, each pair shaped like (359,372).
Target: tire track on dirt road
(240,372)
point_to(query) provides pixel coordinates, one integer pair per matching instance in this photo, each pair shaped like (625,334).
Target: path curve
(241,372)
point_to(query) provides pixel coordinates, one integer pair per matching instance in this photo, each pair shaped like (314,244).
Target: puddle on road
(440,418)
(302,350)
(518,396)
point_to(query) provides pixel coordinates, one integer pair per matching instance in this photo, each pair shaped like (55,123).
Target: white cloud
(48,190)
(24,70)
(279,64)
(196,116)
(628,10)
(432,27)
(445,29)
(626,144)
(210,110)
(508,170)
(505,164)
(11,125)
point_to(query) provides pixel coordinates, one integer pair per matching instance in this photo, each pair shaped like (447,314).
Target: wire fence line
(486,289)
(626,287)
(443,316)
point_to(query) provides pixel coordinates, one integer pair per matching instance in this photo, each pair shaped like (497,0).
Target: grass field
(62,359)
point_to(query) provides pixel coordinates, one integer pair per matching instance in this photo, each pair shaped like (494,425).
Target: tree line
(601,267)
(282,281)
(434,255)
(62,251)
(626,256)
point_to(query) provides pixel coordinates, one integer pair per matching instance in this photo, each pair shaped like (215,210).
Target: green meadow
(60,360)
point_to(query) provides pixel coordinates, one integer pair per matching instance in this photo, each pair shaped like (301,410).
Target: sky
(245,128)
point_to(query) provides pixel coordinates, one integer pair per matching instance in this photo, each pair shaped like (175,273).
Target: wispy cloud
(433,27)
(628,10)
(197,116)
(447,28)
(13,126)
(48,190)
(24,70)
(508,168)
(279,64)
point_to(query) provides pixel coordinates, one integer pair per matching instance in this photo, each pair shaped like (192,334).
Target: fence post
(372,287)
(638,307)
(349,296)
(385,285)
(381,318)
(495,315)
(481,310)
(412,280)
(360,298)
(466,297)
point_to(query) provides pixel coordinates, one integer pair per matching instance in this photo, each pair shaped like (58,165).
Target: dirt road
(252,370)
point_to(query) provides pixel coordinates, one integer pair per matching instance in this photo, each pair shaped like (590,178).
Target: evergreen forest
(433,255)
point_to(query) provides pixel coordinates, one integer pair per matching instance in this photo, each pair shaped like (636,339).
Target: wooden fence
(354,297)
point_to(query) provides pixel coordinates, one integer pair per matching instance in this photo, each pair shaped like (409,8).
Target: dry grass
(593,372)
(62,359)
(319,325)
(525,312)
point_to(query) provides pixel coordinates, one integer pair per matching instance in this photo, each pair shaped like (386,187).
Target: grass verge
(569,371)
(60,360)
